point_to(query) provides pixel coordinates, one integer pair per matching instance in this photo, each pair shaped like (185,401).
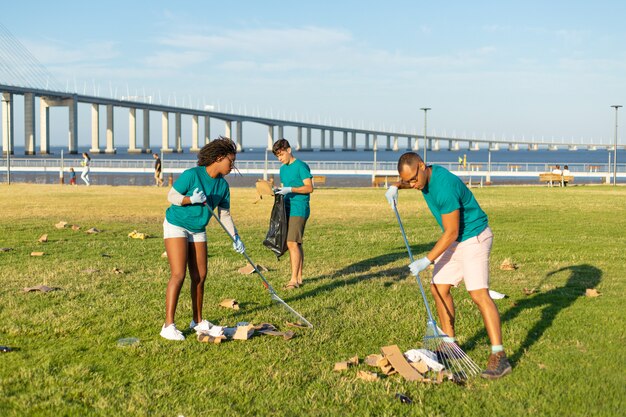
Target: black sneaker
(497,366)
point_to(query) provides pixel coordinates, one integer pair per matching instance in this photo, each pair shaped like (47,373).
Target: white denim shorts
(172,231)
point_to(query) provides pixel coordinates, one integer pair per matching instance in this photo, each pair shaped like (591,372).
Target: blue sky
(532,68)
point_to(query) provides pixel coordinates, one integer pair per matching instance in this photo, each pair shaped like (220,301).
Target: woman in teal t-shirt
(194,193)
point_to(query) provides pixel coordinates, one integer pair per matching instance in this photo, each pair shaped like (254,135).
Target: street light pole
(425,109)
(616,107)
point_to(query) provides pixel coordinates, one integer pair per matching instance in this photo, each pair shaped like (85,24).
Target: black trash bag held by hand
(276,238)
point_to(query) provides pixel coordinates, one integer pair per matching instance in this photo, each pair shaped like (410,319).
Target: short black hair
(280,145)
(409,158)
(216,150)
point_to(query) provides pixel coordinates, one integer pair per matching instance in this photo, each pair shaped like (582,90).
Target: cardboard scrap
(367,376)
(230,303)
(136,235)
(385,366)
(164,254)
(43,238)
(117,271)
(298,325)
(42,288)
(341,366)
(249,269)
(400,364)
(244,332)
(373,359)
(354,360)
(36,254)
(529,291)
(592,292)
(60,225)
(508,265)
(206,338)
(75,227)
(420,366)
(92,231)
(270,330)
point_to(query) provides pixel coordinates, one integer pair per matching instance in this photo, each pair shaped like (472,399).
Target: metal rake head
(449,354)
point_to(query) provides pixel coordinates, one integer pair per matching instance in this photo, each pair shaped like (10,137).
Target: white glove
(418,266)
(238,245)
(284,191)
(197,197)
(392,195)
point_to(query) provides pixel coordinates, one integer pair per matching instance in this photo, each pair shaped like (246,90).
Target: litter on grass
(36,254)
(43,238)
(60,225)
(367,376)
(414,365)
(495,295)
(42,288)
(529,291)
(137,235)
(243,331)
(230,303)
(75,227)
(92,231)
(117,271)
(592,292)
(508,265)
(164,254)
(6,349)
(298,325)
(127,341)
(6,249)
(249,269)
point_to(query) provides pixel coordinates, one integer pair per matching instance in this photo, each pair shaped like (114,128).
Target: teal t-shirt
(293,175)
(445,193)
(195,217)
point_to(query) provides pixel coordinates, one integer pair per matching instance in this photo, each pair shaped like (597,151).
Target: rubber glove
(197,197)
(238,245)
(284,191)
(392,195)
(418,266)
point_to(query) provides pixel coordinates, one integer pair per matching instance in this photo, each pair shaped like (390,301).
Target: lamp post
(616,107)
(425,109)
(375,149)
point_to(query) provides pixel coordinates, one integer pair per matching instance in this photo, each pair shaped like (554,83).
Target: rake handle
(408,248)
(265,283)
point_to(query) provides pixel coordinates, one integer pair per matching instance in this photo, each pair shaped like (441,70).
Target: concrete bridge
(328,135)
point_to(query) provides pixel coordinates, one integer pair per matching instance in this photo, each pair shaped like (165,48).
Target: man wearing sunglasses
(461,253)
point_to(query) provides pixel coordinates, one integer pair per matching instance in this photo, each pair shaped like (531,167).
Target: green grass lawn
(567,350)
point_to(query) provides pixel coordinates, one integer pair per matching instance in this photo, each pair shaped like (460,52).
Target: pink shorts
(466,261)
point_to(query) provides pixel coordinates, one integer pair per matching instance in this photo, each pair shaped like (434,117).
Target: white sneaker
(207,327)
(171,333)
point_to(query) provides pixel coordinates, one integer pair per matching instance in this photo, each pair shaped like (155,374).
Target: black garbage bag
(276,238)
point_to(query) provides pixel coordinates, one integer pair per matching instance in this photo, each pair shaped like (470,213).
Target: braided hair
(216,150)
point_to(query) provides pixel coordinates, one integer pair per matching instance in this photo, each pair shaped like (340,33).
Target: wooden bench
(552,179)
(319,180)
(384,180)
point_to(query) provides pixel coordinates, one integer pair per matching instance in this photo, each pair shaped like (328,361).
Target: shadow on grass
(581,277)
(362,269)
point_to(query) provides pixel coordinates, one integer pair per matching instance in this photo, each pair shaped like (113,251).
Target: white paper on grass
(416,355)
(495,295)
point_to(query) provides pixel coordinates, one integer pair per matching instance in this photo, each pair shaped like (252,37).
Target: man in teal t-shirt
(296,179)
(461,253)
